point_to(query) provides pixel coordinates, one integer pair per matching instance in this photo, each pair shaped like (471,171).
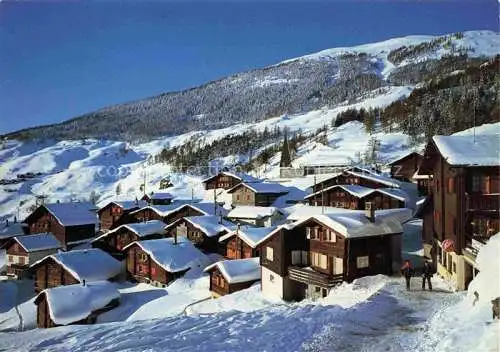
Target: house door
(380,265)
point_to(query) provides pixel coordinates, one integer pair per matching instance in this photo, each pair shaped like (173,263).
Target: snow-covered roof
(141,229)
(243,177)
(172,257)
(160,195)
(484,150)
(385,180)
(206,208)
(394,193)
(263,187)
(298,212)
(126,204)
(294,195)
(357,225)
(210,225)
(72,303)
(251,212)
(73,213)
(356,190)
(239,270)
(252,236)
(10,230)
(87,264)
(404,156)
(38,242)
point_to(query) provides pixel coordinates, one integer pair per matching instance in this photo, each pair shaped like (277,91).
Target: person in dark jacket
(427,273)
(407,272)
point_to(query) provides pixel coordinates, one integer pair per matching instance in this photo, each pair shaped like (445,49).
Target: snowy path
(391,320)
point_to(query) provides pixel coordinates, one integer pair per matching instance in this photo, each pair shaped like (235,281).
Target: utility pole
(215,201)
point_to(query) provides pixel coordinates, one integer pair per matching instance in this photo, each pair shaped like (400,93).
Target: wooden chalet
(77,266)
(405,167)
(256,216)
(257,194)
(22,251)
(75,304)
(71,223)
(309,257)
(230,276)
(465,201)
(159,262)
(227,180)
(117,213)
(115,240)
(203,231)
(243,241)
(355,197)
(350,177)
(158,198)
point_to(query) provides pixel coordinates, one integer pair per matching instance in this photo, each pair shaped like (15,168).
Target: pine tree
(285,152)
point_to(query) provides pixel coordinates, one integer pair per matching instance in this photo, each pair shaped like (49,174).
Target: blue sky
(62,59)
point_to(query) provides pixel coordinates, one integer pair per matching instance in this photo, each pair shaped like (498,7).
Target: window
(237,197)
(11,259)
(143,257)
(330,236)
(451,185)
(338,267)
(317,289)
(269,253)
(476,183)
(308,232)
(271,278)
(21,260)
(362,262)
(319,260)
(248,196)
(296,257)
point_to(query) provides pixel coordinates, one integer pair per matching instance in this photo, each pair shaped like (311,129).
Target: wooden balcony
(312,277)
(482,202)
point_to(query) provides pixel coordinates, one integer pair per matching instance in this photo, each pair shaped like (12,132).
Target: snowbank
(468,326)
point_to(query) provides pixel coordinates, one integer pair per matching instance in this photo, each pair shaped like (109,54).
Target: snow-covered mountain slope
(293,86)
(74,169)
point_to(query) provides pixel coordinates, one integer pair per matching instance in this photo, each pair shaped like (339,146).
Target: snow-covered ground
(371,314)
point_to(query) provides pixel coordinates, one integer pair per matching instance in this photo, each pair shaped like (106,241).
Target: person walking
(427,273)
(407,272)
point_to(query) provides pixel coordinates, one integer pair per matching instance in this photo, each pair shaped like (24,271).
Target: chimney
(6,222)
(83,282)
(175,236)
(370,211)
(238,226)
(15,219)
(136,201)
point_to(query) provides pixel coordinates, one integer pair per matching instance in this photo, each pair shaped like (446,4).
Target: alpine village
(298,245)
(345,200)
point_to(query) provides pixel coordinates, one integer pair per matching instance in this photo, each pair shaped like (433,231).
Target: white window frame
(363,262)
(270,253)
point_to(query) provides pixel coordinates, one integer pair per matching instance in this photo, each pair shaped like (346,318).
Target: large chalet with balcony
(359,177)
(310,256)
(71,223)
(464,201)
